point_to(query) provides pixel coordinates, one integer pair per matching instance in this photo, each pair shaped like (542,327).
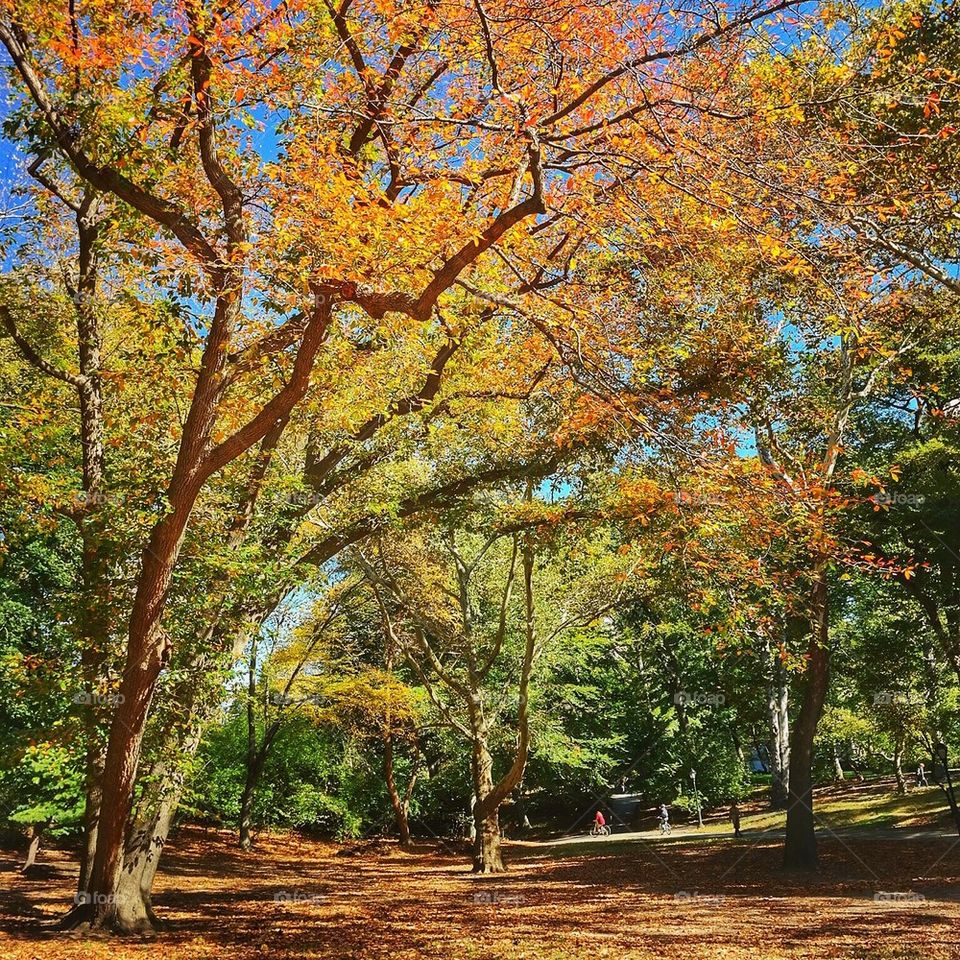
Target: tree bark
(148,648)
(144,846)
(254,771)
(800,847)
(837,766)
(487,852)
(93,621)
(35,834)
(157,804)
(898,748)
(400,805)
(779,715)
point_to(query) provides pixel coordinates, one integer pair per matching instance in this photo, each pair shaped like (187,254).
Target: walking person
(735,819)
(922,776)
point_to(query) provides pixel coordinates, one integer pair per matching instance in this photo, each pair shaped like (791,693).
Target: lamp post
(696,796)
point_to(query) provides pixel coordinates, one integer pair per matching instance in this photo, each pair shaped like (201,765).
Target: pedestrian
(735,819)
(922,776)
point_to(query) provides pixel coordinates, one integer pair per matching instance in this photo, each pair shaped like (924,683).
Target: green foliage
(314,779)
(44,788)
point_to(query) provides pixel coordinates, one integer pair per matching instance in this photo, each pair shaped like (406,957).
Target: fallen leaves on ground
(875,898)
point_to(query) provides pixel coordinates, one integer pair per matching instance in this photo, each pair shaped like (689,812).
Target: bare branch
(681,50)
(31,354)
(107,179)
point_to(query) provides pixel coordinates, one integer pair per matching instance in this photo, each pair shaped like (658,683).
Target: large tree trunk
(157,805)
(779,715)
(142,852)
(147,647)
(800,847)
(148,834)
(487,854)
(147,653)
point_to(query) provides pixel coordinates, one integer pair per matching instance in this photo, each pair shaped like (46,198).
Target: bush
(688,804)
(44,789)
(311,809)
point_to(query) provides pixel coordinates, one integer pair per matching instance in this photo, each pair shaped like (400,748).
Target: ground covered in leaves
(876,897)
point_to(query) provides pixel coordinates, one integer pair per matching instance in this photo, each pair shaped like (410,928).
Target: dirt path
(297,898)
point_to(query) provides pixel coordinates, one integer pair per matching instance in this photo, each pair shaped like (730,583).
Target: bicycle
(599,830)
(665,827)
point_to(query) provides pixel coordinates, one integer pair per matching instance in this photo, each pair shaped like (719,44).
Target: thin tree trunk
(400,805)
(488,857)
(800,847)
(254,772)
(779,716)
(947,633)
(95,628)
(855,761)
(737,746)
(898,748)
(837,766)
(256,755)
(93,620)
(253,768)
(35,834)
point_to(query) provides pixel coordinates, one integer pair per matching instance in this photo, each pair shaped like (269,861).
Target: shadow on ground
(295,897)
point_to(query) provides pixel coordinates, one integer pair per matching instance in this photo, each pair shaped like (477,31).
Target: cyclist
(599,822)
(663,815)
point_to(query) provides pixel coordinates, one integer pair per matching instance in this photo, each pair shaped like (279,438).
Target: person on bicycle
(599,822)
(663,815)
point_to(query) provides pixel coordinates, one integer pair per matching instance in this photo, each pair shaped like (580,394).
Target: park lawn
(296,897)
(872,803)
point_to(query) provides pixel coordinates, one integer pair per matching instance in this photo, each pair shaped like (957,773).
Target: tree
(412,148)
(447,600)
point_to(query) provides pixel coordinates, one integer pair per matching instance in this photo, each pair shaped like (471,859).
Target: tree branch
(32,356)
